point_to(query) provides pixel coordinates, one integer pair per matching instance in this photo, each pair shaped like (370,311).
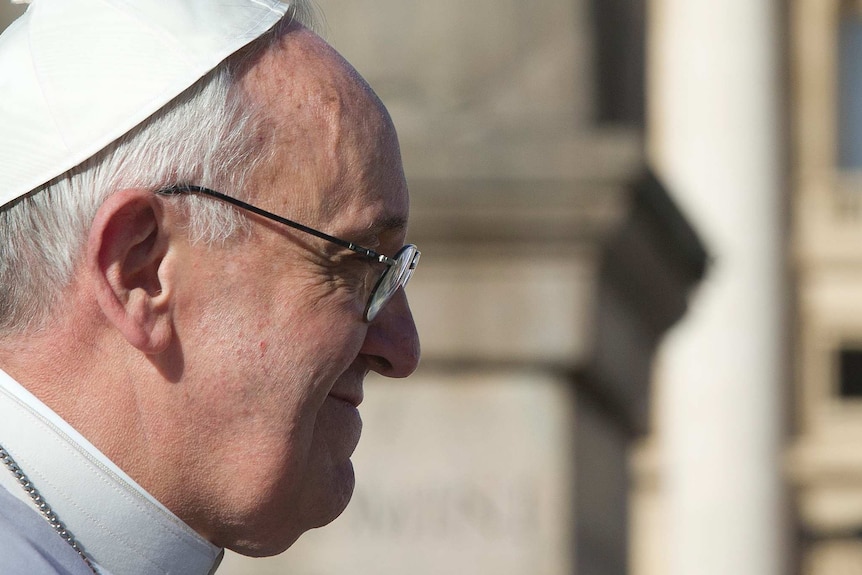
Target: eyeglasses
(398,269)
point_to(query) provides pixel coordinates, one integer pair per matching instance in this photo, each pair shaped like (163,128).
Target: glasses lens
(396,276)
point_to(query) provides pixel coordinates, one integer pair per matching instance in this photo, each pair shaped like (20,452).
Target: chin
(328,504)
(318,506)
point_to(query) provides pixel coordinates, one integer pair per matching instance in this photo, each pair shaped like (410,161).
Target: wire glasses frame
(398,269)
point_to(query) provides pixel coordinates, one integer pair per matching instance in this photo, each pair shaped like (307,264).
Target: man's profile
(203,220)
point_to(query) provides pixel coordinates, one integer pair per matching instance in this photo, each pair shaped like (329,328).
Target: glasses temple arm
(275,217)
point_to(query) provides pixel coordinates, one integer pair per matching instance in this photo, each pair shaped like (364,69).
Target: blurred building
(825,460)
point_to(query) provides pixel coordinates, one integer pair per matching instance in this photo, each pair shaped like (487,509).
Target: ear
(128,268)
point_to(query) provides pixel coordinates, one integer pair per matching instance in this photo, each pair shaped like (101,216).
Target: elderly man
(202,256)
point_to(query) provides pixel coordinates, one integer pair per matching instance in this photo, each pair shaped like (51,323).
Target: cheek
(326,335)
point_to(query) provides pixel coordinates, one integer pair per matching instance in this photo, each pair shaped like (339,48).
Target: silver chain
(43,506)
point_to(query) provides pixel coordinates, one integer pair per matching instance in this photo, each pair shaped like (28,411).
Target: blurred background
(640,295)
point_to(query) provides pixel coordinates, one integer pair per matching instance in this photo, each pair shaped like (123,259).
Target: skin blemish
(263,345)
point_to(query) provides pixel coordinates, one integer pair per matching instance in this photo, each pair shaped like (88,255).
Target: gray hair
(210,135)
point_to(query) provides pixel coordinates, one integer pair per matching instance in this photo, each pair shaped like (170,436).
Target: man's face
(282,348)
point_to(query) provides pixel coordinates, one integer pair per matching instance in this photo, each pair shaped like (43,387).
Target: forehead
(334,151)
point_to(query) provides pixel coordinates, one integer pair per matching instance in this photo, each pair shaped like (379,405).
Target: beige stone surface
(825,469)
(505,309)
(648,551)
(463,77)
(841,557)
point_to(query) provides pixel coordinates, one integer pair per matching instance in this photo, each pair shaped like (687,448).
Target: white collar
(117,523)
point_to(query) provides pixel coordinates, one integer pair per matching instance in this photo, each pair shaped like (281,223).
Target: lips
(351,396)
(340,423)
(349,387)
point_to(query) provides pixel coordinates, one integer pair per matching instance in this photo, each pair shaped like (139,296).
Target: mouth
(352,396)
(349,388)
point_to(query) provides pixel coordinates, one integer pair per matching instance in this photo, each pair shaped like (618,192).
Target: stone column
(716,140)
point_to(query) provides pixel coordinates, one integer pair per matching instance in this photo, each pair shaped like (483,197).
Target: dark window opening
(620,52)
(850,372)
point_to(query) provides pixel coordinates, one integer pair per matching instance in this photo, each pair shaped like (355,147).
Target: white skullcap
(75,75)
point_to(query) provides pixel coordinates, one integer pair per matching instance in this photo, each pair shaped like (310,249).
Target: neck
(80,372)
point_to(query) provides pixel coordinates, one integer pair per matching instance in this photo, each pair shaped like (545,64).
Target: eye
(356,274)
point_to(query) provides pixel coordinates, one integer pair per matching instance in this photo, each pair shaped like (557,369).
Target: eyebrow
(392,224)
(385,225)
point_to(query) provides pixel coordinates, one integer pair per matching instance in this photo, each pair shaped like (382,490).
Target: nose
(391,344)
